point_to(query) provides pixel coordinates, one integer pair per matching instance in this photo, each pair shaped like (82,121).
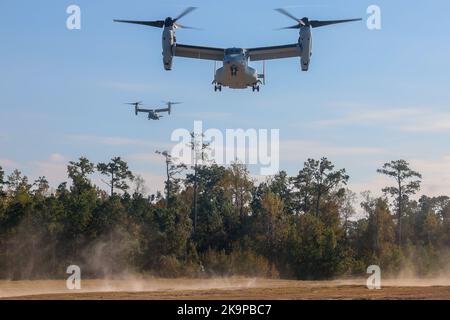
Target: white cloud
(56,157)
(437,122)
(9,164)
(145,157)
(131,87)
(54,169)
(374,184)
(300,150)
(436,175)
(115,141)
(364,116)
(207,115)
(435,178)
(153,182)
(402,119)
(258,179)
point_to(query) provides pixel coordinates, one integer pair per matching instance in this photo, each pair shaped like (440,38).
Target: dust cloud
(130,284)
(178,287)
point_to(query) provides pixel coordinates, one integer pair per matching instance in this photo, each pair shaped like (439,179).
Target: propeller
(136,106)
(170,104)
(305,22)
(134,103)
(168,22)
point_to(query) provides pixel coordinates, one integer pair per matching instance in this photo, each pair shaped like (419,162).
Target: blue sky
(369,97)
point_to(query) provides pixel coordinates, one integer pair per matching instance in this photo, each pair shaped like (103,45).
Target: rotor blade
(317,23)
(173,103)
(156,24)
(180,26)
(286,13)
(297,26)
(184,13)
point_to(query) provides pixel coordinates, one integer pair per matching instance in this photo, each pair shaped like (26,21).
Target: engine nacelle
(168,43)
(305,42)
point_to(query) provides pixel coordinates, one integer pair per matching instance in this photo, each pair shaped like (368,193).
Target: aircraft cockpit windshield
(234,51)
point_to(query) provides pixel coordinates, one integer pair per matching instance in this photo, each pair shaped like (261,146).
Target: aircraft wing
(161,110)
(277,52)
(195,52)
(145,110)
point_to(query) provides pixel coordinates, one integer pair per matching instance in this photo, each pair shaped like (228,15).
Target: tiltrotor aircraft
(236,72)
(153,114)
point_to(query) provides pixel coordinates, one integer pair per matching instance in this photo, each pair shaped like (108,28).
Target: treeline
(216,221)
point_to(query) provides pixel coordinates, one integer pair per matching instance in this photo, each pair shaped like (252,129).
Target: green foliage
(315,181)
(2,177)
(300,227)
(18,184)
(406,185)
(239,262)
(79,173)
(379,236)
(117,173)
(172,170)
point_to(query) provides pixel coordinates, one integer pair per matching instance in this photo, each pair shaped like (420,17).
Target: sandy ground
(227,289)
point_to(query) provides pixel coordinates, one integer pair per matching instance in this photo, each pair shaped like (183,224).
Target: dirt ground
(224,289)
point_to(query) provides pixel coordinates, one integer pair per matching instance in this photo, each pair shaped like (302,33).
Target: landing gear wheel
(218,88)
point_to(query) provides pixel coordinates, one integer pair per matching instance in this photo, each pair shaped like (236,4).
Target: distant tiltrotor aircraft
(153,114)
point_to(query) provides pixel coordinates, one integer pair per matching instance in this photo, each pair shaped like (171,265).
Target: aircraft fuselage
(236,73)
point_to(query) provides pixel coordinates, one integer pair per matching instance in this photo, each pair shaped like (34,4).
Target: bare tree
(2,177)
(172,170)
(347,208)
(118,173)
(139,185)
(198,148)
(407,184)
